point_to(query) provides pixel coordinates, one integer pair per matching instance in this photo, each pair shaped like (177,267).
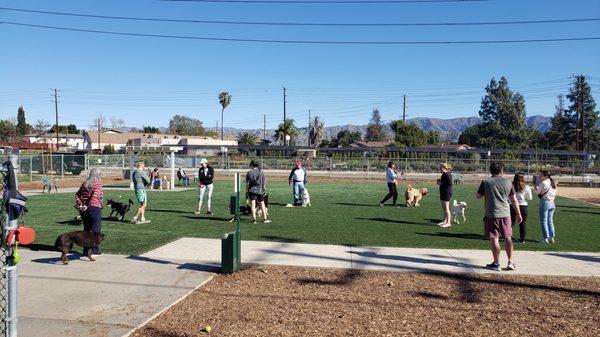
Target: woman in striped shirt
(89,202)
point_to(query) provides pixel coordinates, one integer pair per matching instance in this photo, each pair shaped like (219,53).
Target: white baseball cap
(203,161)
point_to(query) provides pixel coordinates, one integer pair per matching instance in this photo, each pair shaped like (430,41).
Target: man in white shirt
(297,179)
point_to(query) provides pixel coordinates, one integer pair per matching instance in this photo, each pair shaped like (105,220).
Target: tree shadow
(349,276)
(279,239)
(412,259)
(580,257)
(586,212)
(456,235)
(387,220)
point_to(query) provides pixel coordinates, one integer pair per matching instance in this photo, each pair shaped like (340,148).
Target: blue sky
(147,80)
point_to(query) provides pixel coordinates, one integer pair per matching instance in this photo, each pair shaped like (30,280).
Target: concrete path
(207,251)
(108,297)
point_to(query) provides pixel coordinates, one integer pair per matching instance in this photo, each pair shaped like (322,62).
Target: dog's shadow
(72,256)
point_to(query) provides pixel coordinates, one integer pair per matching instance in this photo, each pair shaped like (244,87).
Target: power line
(322,42)
(320,24)
(318,2)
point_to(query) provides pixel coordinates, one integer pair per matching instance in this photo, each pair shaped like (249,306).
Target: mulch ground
(289,301)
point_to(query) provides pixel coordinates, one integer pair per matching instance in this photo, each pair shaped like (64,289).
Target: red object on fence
(23,235)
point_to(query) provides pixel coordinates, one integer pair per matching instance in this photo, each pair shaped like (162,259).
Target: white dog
(305,198)
(458,209)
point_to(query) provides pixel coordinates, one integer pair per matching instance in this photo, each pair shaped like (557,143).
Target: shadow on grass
(72,222)
(279,239)
(387,220)
(355,204)
(348,277)
(166,211)
(578,207)
(579,211)
(209,218)
(187,266)
(586,258)
(456,235)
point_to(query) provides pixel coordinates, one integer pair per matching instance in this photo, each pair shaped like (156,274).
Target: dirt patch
(588,194)
(289,301)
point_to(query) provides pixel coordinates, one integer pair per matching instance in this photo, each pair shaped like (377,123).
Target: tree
(248,139)
(316,132)
(583,111)
(503,114)
(185,126)
(409,135)
(41,127)
(286,128)
(150,129)
(375,128)
(116,123)
(433,137)
(8,131)
(562,133)
(66,129)
(22,127)
(346,137)
(224,100)
(109,149)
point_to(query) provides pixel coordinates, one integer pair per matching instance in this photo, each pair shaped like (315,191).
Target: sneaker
(208,212)
(444,224)
(493,266)
(134,221)
(543,241)
(511,266)
(521,241)
(551,240)
(267,221)
(254,222)
(196,212)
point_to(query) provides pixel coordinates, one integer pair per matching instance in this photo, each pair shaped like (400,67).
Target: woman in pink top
(89,202)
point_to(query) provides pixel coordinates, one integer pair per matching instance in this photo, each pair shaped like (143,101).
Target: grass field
(342,213)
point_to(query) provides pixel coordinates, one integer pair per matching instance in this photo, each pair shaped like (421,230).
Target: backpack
(14,201)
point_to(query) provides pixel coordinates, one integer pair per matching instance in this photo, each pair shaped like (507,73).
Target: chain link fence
(67,166)
(3,253)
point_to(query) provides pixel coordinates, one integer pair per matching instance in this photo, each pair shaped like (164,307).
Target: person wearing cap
(297,179)
(255,190)
(206,174)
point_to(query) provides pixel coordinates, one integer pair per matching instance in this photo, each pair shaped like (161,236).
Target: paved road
(382,258)
(108,297)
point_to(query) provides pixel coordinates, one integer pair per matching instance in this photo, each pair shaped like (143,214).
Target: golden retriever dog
(414,195)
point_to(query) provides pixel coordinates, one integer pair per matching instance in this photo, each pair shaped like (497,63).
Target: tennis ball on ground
(207,329)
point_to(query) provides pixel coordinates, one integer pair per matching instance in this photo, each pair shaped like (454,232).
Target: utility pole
(56,112)
(404,111)
(284,113)
(217,127)
(309,125)
(264,127)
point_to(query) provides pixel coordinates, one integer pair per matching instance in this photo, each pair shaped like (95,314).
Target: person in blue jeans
(546,191)
(297,179)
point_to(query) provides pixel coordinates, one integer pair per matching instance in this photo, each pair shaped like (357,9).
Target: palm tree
(248,139)
(286,128)
(315,132)
(224,100)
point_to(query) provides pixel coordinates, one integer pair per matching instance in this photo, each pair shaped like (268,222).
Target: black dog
(247,210)
(87,240)
(119,207)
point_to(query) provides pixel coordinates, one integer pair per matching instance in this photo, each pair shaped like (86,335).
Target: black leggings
(392,194)
(523,224)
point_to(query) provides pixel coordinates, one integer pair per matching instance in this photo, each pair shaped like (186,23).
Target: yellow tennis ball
(208,329)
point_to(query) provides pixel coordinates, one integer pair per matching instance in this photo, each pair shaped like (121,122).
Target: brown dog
(413,195)
(87,240)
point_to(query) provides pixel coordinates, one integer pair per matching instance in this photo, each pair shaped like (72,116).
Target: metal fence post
(62,167)
(31,168)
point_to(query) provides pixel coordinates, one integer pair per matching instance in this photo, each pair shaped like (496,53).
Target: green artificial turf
(341,213)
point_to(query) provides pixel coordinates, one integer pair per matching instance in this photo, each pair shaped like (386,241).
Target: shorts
(257,197)
(495,228)
(141,196)
(445,194)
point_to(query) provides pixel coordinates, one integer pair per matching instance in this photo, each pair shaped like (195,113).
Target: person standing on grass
(185,180)
(498,194)
(390,179)
(154,178)
(255,190)
(206,174)
(445,183)
(89,202)
(523,193)
(140,181)
(546,191)
(297,180)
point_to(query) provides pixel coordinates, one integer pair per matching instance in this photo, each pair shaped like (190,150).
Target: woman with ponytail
(547,192)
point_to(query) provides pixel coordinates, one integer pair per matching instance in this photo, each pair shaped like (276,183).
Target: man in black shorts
(255,189)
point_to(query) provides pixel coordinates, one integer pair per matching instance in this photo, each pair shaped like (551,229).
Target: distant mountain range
(448,128)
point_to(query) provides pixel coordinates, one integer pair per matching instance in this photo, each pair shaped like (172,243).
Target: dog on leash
(414,195)
(247,210)
(120,208)
(305,198)
(458,209)
(87,240)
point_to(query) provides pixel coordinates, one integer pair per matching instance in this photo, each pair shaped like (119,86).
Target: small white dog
(305,198)
(458,209)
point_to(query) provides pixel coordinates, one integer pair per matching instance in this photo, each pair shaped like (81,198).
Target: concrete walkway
(207,251)
(108,297)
